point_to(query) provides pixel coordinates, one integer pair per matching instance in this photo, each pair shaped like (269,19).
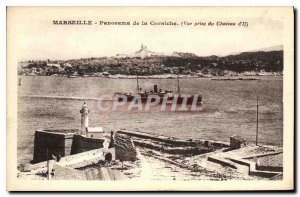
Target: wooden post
(137,83)
(48,167)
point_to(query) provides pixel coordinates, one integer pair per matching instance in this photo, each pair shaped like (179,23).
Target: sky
(32,32)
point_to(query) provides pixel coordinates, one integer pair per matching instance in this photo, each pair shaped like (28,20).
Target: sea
(230,108)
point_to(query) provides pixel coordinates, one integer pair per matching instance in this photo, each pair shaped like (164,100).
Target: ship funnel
(155,88)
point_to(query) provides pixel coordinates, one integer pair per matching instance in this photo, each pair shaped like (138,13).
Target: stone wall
(87,158)
(269,168)
(170,149)
(61,143)
(82,144)
(74,161)
(57,144)
(124,148)
(174,141)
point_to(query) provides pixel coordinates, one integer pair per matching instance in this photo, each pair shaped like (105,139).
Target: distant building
(94,132)
(142,53)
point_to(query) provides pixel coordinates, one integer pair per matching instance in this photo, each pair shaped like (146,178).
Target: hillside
(178,62)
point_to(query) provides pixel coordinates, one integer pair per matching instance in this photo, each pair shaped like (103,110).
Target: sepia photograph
(185,98)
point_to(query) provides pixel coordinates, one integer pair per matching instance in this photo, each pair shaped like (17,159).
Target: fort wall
(49,143)
(82,144)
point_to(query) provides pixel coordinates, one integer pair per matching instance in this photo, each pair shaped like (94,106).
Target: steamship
(166,96)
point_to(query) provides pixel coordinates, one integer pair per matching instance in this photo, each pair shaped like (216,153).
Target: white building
(142,53)
(94,132)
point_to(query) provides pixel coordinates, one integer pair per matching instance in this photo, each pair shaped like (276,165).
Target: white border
(5,3)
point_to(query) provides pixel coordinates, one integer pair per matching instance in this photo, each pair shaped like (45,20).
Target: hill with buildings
(147,62)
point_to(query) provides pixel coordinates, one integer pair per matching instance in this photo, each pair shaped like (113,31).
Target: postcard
(150,98)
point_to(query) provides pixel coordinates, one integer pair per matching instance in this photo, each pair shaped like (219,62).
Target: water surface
(229,108)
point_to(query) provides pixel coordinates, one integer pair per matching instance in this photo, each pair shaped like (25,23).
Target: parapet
(49,143)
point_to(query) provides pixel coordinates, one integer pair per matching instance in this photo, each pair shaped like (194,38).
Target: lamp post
(257,110)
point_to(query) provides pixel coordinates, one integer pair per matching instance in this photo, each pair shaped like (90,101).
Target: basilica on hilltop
(142,53)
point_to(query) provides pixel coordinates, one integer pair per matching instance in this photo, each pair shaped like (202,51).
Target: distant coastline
(240,76)
(147,63)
